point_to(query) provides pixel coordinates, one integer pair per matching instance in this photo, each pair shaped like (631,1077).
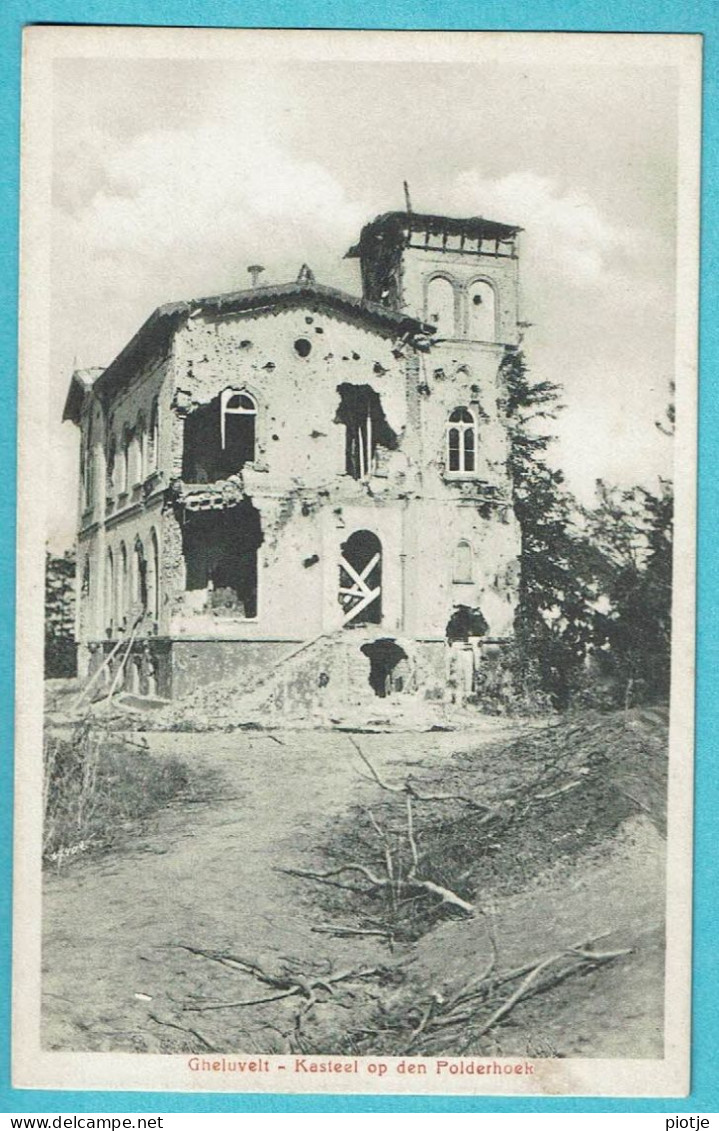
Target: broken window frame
(360,589)
(366,429)
(360,439)
(461,443)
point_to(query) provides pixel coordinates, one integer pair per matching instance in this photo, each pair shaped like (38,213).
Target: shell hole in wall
(303,347)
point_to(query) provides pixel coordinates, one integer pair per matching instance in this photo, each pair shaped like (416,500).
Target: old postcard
(356,602)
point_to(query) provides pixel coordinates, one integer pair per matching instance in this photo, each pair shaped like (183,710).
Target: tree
(593,581)
(60,657)
(554,623)
(633,533)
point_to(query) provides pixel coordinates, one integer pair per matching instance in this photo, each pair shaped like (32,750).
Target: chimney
(255,271)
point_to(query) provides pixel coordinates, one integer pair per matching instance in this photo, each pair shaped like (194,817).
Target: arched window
(238,415)
(461,442)
(139,580)
(153,439)
(124,468)
(140,453)
(122,586)
(86,578)
(110,593)
(153,578)
(110,466)
(87,470)
(441,306)
(481,312)
(462,572)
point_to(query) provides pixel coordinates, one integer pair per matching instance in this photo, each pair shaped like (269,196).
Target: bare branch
(412,841)
(183,1029)
(375,775)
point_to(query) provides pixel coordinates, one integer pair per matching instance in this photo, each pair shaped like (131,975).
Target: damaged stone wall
(306,370)
(125,510)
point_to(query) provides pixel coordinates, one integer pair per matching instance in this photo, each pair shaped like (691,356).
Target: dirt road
(205,875)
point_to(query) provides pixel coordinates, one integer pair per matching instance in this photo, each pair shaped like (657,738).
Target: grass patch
(97,785)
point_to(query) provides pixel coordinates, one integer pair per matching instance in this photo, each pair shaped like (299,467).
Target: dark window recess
(465,622)
(389,667)
(205,458)
(220,551)
(140,594)
(360,410)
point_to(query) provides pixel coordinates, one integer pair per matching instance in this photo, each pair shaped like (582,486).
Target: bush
(95,785)
(509,684)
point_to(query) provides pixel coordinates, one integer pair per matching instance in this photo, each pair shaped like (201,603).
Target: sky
(171,177)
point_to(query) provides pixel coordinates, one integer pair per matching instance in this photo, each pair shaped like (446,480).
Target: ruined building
(286,464)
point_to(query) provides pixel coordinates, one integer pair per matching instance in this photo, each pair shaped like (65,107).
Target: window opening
(122,587)
(140,450)
(219,437)
(220,548)
(153,578)
(153,440)
(360,588)
(87,468)
(110,593)
(461,441)
(125,460)
(139,595)
(360,410)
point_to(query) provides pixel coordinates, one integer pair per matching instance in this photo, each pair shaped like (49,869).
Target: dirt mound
(555,839)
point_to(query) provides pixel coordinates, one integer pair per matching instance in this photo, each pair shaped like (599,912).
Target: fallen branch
(183,1029)
(407,786)
(382,882)
(531,973)
(288,985)
(339,929)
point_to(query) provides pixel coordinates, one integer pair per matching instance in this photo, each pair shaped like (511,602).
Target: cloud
(194,204)
(565,232)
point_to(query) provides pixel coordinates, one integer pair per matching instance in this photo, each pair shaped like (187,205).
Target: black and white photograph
(356,518)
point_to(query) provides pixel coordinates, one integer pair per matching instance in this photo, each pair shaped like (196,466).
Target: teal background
(688,16)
